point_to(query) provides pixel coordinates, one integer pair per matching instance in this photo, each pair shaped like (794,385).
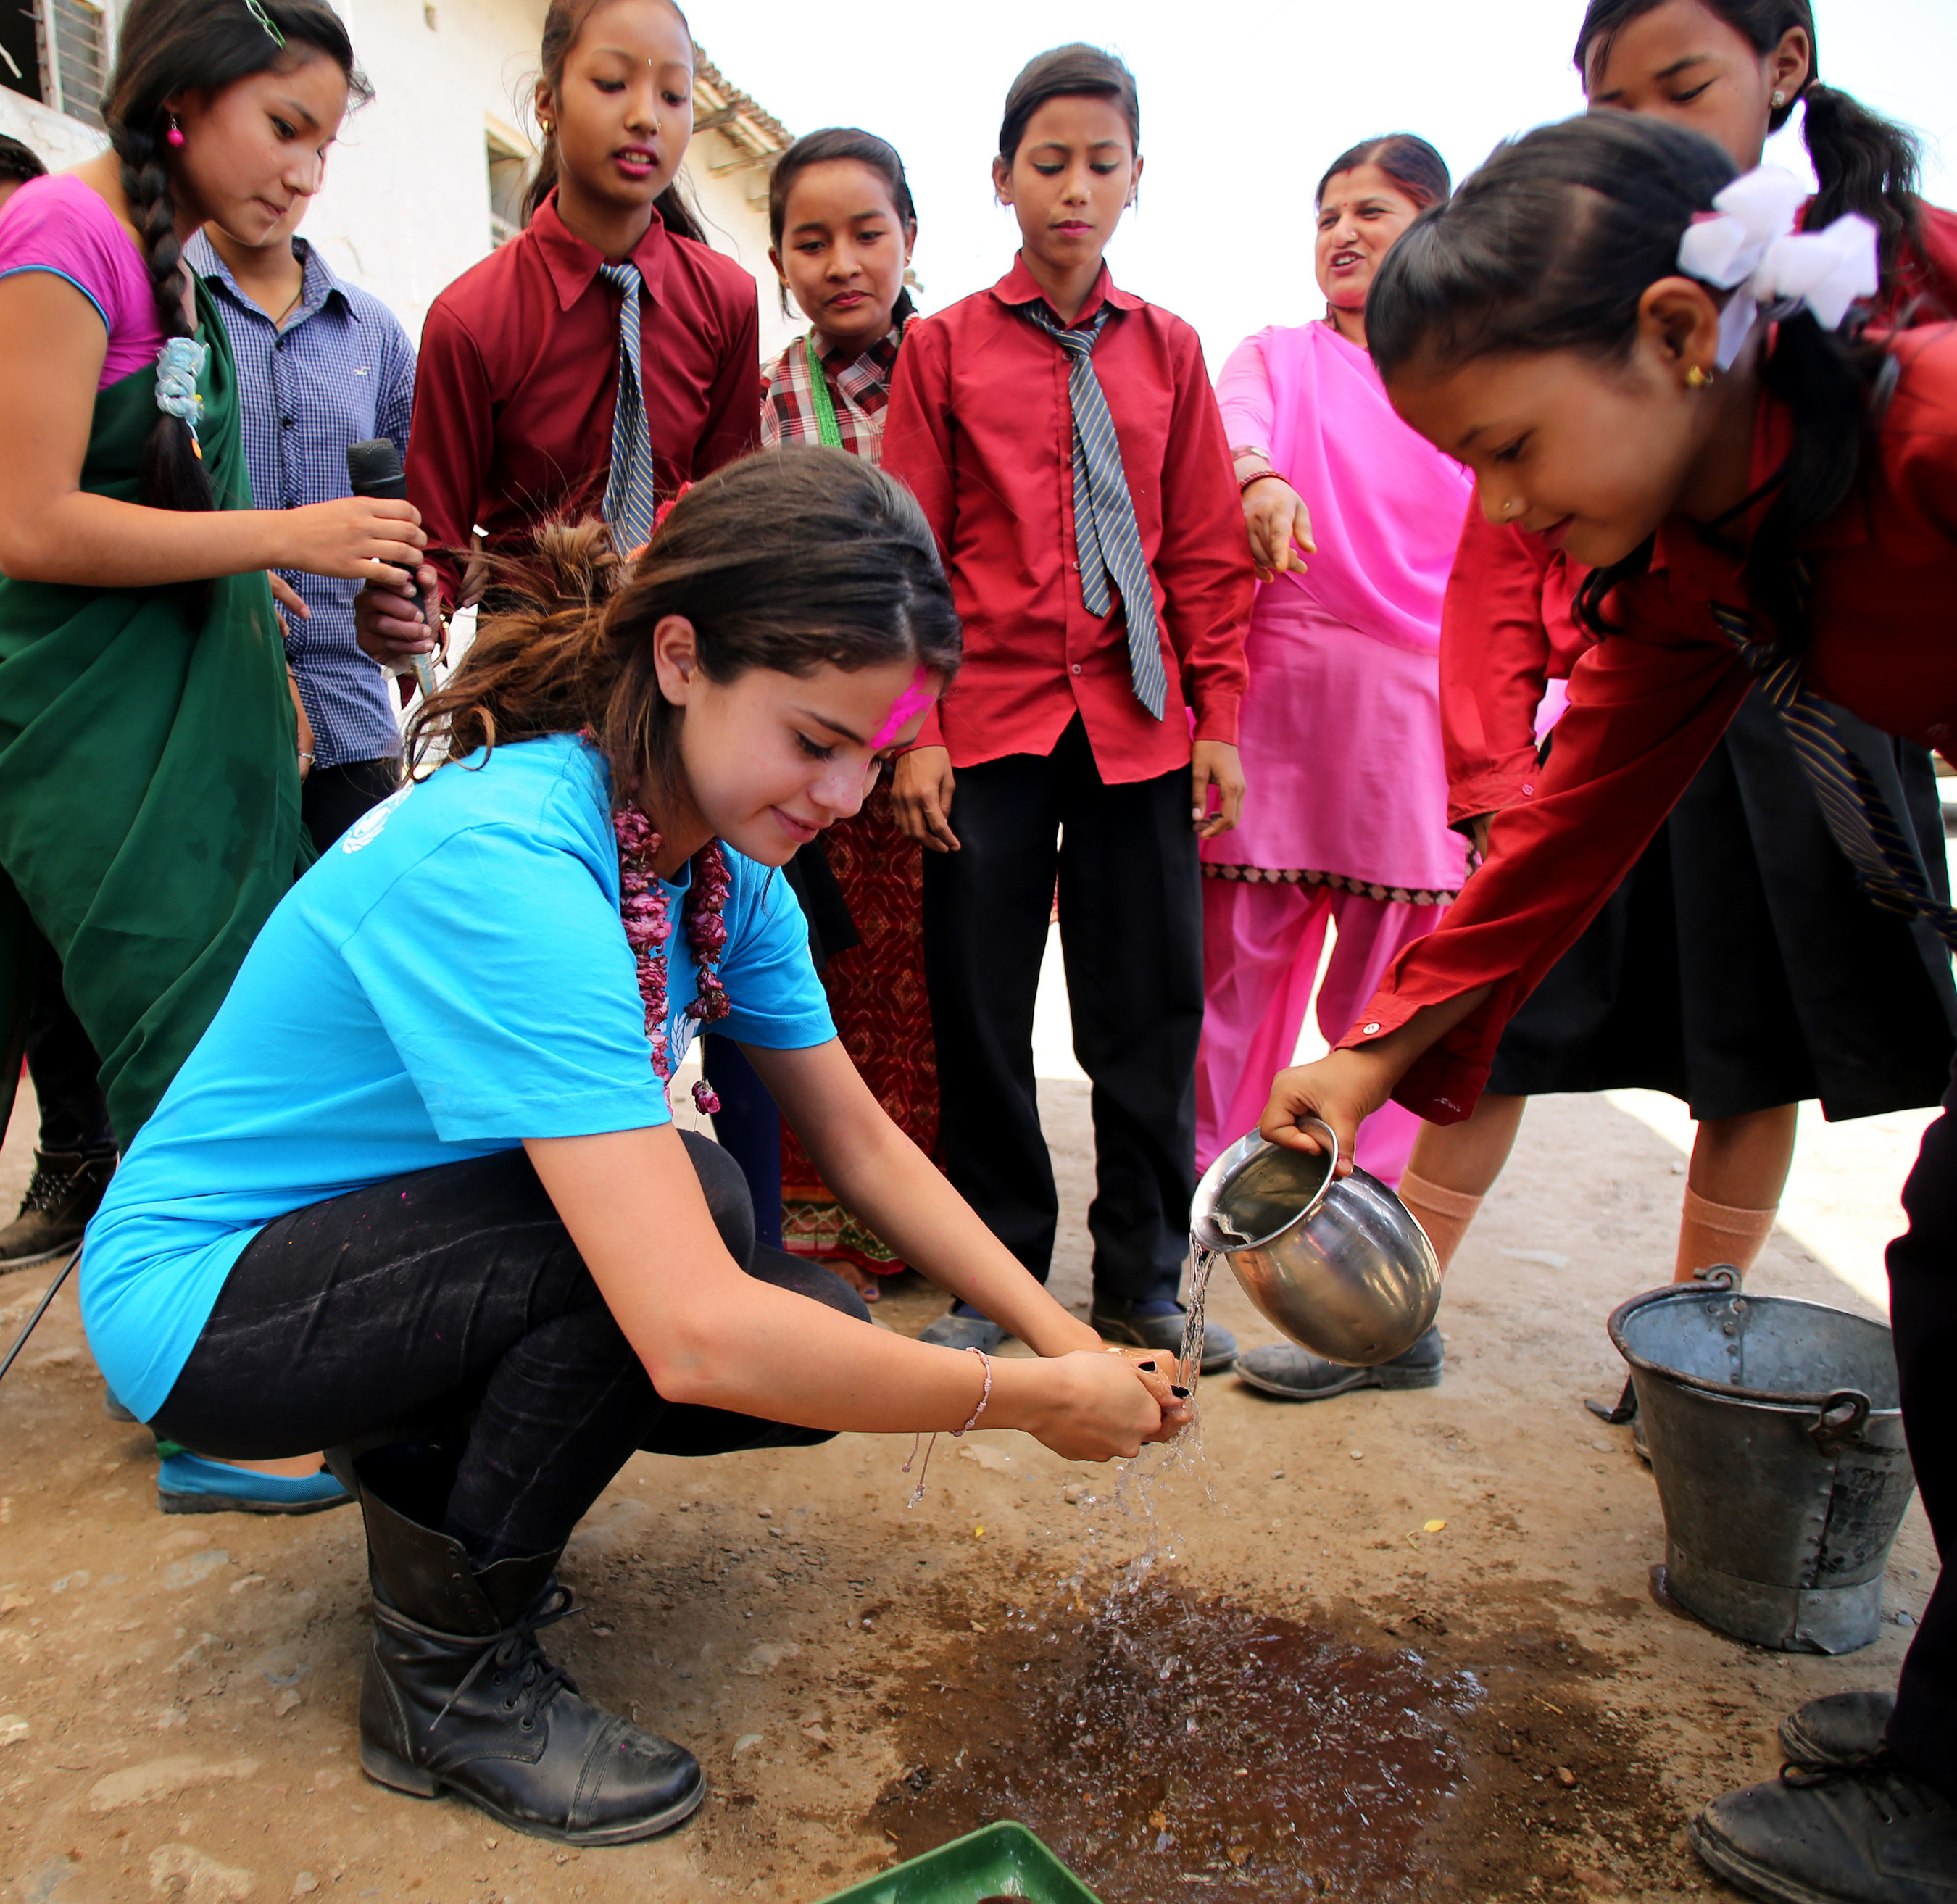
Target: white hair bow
(1748,244)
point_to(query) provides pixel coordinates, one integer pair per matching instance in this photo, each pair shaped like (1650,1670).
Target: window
(57,52)
(509,171)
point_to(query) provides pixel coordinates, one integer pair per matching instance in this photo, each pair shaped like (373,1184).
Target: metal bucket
(1339,1263)
(1776,1441)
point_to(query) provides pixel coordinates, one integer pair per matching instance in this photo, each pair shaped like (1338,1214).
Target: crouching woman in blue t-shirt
(417,1196)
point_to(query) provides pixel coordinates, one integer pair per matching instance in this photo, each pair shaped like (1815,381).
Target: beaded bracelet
(917,1493)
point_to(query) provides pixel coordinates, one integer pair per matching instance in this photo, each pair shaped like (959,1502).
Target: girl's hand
(359,539)
(1278,526)
(1098,1407)
(287,597)
(1162,1376)
(1215,763)
(921,789)
(1343,1088)
(389,622)
(305,726)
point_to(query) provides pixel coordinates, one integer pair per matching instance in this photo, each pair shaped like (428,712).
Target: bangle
(304,755)
(1243,482)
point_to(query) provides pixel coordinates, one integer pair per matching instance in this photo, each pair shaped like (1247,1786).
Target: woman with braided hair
(150,755)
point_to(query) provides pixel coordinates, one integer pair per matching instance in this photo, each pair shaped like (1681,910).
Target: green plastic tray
(1002,1859)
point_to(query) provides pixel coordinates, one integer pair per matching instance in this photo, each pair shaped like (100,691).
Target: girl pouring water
(1639,358)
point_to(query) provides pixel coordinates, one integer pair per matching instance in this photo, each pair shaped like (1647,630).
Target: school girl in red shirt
(519,412)
(1063,440)
(1843,1004)
(1600,326)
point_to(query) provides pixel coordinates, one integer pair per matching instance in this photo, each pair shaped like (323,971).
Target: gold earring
(1698,376)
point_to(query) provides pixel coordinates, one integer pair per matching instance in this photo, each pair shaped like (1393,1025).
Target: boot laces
(1897,1794)
(52,1185)
(516,1651)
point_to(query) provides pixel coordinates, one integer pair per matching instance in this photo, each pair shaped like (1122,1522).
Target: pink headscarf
(1386,506)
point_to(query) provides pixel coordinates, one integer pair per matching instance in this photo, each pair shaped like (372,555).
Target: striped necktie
(1105,540)
(629,500)
(1881,850)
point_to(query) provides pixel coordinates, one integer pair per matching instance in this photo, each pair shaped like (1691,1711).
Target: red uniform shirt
(1509,625)
(1647,705)
(981,428)
(519,378)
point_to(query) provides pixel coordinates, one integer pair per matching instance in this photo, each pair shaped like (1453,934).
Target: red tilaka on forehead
(908,705)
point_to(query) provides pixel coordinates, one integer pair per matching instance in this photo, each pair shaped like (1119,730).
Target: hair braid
(173,474)
(163,48)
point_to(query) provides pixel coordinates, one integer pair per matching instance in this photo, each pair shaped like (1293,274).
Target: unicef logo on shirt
(366,829)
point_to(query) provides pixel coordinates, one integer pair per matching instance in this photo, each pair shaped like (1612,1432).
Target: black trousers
(451,1306)
(1131,938)
(333,797)
(1923,1309)
(67,1073)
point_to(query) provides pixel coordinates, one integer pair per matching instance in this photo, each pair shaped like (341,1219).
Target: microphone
(373,468)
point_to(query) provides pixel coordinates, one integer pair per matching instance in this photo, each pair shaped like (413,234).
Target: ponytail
(789,560)
(1862,163)
(167,47)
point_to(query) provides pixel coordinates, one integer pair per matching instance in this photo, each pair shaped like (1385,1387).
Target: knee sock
(1710,1233)
(1444,1214)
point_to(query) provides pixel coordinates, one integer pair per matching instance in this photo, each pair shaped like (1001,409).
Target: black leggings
(404,1309)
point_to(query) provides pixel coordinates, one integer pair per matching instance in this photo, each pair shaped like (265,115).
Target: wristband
(1243,482)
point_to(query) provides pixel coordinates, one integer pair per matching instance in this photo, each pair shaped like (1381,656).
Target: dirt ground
(1263,1671)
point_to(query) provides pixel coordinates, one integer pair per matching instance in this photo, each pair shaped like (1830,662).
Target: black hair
(564,20)
(1862,162)
(1075,72)
(832,143)
(164,48)
(1413,165)
(1551,246)
(19,161)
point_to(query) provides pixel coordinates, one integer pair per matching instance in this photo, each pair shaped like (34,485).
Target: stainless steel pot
(1338,1263)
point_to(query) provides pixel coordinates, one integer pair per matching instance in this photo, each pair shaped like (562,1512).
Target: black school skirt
(1739,965)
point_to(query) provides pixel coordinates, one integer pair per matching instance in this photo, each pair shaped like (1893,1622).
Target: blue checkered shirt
(341,371)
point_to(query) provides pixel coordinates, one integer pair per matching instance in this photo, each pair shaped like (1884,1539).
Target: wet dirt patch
(1169,1745)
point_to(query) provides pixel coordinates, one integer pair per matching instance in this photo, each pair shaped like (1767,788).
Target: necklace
(644,906)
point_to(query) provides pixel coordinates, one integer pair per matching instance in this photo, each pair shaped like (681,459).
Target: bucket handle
(1843,1415)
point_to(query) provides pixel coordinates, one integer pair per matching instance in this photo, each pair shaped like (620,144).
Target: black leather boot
(459,1696)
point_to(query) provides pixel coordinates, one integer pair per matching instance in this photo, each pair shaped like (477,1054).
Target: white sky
(1243,103)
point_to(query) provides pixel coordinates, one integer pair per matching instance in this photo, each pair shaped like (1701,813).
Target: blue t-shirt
(452,978)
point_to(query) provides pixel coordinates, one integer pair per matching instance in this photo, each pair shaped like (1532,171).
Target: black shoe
(459,1696)
(1871,1835)
(1298,1375)
(1843,1729)
(1117,1322)
(64,1192)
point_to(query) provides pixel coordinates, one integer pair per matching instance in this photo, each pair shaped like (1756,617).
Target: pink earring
(175,135)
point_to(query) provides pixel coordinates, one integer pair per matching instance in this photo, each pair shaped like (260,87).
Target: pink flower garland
(642,906)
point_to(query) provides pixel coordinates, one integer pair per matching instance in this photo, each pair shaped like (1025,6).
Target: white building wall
(406,207)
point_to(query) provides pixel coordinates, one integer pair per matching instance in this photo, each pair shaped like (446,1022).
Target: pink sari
(1347,813)
(1341,723)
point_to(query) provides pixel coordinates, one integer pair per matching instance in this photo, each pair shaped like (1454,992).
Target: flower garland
(643,907)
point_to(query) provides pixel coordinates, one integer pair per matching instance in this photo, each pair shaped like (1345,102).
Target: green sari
(149,777)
